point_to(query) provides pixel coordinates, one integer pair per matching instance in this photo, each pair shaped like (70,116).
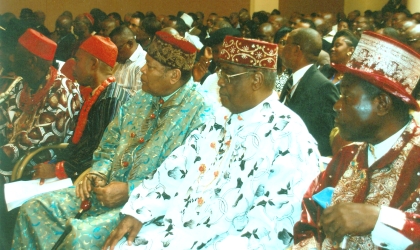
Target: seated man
(376,181)
(39,111)
(41,108)
(94,61)
(237,181)
(146,130)
(131,58)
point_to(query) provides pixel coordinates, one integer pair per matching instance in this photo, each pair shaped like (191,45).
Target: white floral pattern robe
(236,183)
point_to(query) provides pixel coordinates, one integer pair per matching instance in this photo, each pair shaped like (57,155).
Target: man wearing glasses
(237,181)
(308,92)
(131,58)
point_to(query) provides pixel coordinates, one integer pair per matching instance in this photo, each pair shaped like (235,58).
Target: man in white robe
(238,180)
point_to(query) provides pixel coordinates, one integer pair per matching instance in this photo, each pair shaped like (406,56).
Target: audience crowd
(248,131)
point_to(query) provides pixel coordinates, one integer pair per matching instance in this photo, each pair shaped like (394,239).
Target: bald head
(266,32)
(310,43)
(277,22)
(171,31)
(107,26)
(124,39)
(405,25)
(321,26)
(413,37)
(63,25)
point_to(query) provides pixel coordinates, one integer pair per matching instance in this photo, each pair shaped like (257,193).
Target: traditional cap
(173,51)
(387,64)
(90,17)
(102,48)
(219,35)
(249,52)
(67,68)
(187,19)
(38,44)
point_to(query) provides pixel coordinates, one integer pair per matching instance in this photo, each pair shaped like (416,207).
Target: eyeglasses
(227,77)
(413,40)
(282,42)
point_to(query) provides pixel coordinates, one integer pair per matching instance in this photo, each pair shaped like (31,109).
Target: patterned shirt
(236,183)
(51,122)
(146,131)
(128,75)
(391,182)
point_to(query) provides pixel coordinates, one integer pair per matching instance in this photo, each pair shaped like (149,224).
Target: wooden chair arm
(81,177)
(21,164)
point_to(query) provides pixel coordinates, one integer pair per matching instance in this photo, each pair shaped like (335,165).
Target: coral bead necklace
(81,122)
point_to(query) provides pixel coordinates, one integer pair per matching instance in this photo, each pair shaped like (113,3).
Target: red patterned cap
(102,48)
(38,44)
(173,51)
(386,63)
(249,52)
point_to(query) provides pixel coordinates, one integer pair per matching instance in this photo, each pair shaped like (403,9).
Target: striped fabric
(128,74)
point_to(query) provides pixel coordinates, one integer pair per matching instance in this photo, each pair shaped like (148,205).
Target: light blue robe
(122,156)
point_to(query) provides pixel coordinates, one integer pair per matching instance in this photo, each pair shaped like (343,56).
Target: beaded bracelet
(59,170)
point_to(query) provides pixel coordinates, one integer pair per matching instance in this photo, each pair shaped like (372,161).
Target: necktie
(286,92)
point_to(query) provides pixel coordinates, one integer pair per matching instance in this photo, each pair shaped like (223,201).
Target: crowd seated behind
(185,138)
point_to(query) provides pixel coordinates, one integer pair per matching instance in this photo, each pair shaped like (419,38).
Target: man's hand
(348,218)
(202,66)
(112,195)
(129,225)
(83,188)
(43,171)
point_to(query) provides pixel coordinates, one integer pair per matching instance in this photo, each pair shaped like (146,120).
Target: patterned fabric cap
(173,51)
(102,48)
(249,52)
(38,44)
(387,64)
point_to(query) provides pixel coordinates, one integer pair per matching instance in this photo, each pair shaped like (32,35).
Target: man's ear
(95,63)
(130,43)
(175,75)
(384,104)
(257,80)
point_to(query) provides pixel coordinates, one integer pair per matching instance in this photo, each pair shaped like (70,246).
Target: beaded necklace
(29,103)
(82,120)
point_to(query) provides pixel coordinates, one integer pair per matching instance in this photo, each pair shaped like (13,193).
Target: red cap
(38,44)
(102,48)
(67,68)
(249,52)
(386,63)
(90,17)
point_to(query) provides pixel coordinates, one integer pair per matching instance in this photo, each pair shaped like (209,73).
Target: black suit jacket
(313,101)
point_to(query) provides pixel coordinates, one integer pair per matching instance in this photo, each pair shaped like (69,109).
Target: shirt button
(133,135)
(152,116)
(125,164)
(141,140)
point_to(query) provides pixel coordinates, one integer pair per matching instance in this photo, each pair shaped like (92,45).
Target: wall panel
(53,8)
